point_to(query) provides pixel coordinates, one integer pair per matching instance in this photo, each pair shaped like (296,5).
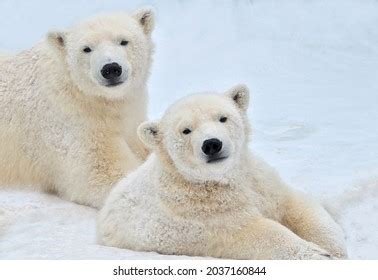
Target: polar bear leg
(313,223)
(267,239)
(90,194)
(90,185)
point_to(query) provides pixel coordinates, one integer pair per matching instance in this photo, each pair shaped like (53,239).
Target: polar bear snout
(111,71)
(109,66)
(211,147)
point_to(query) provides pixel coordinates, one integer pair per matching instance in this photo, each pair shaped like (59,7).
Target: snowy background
(312,67)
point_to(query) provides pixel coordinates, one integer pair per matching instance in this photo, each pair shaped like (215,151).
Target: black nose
(111,71)
(211,146)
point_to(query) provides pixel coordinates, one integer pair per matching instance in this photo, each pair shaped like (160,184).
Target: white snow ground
(312,67)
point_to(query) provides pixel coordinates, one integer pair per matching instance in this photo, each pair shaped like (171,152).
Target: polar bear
(203,193)
(70,107)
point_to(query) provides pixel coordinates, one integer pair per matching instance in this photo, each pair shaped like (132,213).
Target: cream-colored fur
(179,203)
(61,128)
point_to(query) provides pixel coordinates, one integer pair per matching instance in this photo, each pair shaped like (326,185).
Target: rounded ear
(240,95)
(149,133)
(146,18)
(57,39)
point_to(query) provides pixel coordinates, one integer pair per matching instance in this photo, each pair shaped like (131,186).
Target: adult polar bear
(70,107)
(208,195)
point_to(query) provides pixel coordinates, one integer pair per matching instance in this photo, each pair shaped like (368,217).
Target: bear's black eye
(124,43)
(223,119)
(186,131)
(87,50)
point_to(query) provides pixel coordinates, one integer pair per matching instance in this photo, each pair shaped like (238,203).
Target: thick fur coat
(65,128)
(185,200)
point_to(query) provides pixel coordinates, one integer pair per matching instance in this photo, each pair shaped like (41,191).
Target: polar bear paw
(314,252)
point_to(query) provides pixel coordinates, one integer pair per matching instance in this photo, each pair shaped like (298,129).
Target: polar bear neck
(199,200)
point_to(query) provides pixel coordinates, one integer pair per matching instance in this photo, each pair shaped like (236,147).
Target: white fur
(178,203)
(60,127)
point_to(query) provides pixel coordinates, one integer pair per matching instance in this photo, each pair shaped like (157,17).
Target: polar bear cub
(203,193)
(70,107)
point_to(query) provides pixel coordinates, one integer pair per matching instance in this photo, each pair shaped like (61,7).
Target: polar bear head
(202,136)
(108,55)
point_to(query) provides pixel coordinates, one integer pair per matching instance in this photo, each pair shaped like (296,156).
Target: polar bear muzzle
(112,74)
(212,148)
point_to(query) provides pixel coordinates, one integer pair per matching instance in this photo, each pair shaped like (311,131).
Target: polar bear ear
(57,39)
(240,95)
(146,18)
(149,134)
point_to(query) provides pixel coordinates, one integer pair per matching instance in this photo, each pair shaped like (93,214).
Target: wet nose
(111,71)
(212,146)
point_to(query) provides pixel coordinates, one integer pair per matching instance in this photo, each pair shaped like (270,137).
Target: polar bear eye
(87,50)
(223,119)
(124,43)
(186,131)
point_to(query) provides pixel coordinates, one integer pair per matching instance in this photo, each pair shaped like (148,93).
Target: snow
(311,66)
